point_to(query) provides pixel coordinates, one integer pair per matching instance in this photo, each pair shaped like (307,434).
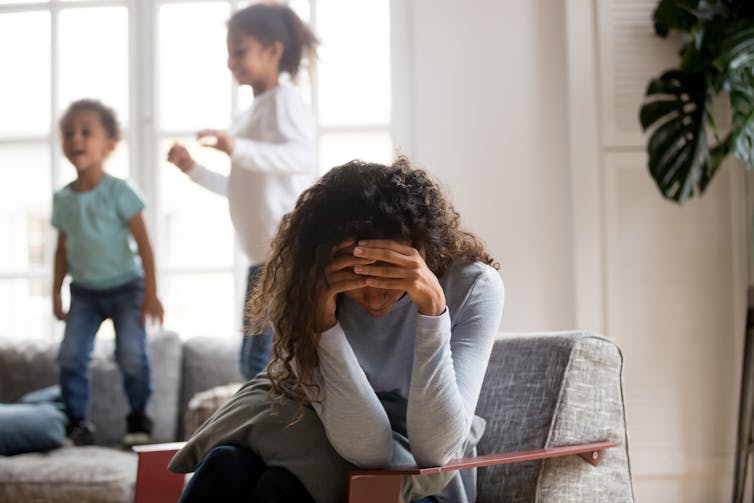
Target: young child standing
(271,148)
(98,217)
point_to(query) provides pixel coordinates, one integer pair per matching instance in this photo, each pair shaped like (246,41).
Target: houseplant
(686,145)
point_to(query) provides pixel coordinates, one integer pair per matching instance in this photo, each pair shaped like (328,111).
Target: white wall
(491,113)
(489,119)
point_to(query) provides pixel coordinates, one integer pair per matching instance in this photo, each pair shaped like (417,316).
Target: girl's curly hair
(358,200)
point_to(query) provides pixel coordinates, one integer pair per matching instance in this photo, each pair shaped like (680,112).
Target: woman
(384,315)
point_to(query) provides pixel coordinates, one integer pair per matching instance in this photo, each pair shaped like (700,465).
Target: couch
(105,472)
(541,391)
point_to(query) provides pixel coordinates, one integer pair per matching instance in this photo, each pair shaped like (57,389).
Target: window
(165,79)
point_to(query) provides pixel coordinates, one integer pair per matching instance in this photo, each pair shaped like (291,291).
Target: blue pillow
(32,427)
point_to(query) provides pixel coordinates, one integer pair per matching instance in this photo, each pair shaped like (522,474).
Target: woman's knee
(230,458)
(278,484)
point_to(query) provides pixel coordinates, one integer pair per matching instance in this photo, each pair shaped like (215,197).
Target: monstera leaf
(681,160)
(742,140)
(685,147)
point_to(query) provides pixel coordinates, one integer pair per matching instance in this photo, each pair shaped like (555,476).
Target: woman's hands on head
(339,278)
(380,264)
(397,266)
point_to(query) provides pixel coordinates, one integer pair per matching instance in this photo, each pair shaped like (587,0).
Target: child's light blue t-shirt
(100,250)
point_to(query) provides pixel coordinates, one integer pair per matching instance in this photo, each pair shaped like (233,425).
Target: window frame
(144,137)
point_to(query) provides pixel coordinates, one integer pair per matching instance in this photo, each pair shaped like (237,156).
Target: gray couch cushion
(17,359)
(549,390)
(71,474)
(208,362)
(108,402)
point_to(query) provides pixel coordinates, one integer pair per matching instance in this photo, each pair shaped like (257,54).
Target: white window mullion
(53,137)
(143,75)
(401,70)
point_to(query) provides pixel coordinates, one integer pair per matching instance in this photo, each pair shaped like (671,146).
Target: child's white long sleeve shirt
(273,160)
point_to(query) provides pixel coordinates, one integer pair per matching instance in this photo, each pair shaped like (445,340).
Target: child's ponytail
(302,43)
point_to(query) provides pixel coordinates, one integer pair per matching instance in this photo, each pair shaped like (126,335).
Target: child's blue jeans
(255,348)
(89,308)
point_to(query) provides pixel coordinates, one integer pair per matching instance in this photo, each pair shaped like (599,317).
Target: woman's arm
(151,306)
(448,370)
(355,421)
(60,269)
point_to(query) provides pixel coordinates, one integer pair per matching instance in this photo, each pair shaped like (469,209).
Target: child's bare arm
(60,269)
(152,306)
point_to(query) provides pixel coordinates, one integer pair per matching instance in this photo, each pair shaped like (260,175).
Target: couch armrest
(154,483)
(383,486)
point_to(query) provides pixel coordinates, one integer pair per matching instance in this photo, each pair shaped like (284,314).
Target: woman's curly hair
(358,200)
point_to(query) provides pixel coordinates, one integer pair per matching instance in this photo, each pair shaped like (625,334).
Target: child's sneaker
(139,429)
(79,433)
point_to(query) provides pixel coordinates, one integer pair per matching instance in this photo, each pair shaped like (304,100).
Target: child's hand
(224,141)
(57,308)
(152,308)
(179,155)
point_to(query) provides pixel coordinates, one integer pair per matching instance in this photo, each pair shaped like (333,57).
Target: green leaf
(680,160)
(674,15)
(734,46)
(656,110)
(742,137)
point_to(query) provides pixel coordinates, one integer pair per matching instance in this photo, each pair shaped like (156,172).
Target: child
(96,216)
(385,313)
(272,148)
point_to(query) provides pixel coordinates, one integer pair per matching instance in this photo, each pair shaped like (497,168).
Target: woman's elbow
(368,455)
(429,451)
(430,457)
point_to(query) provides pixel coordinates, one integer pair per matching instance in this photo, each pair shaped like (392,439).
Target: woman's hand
(223,141)
(179,155)
(339,277)
(401,267)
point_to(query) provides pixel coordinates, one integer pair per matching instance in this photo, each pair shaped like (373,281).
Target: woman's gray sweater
(436,363)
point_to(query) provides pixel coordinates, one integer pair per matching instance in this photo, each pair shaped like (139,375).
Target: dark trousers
(234,474)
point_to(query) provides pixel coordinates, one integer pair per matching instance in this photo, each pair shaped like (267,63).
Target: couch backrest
(547,390)
(30,365)
(207,362)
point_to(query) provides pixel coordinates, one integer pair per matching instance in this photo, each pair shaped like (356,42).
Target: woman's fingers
(342,245)
(383,271)
(344,262)
(343,281)
(388,255)
(388,244)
